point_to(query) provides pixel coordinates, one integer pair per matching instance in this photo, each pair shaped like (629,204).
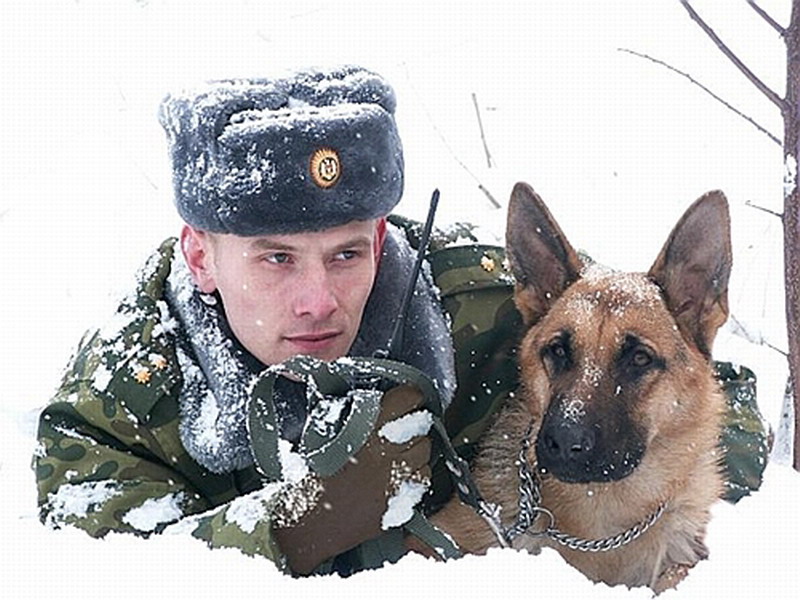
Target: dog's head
(612,361)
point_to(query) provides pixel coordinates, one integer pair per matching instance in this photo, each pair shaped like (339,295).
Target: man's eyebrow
(357,241)
(268,243)
(265,243)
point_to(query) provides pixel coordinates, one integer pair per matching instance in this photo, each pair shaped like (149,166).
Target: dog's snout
(568,442)
(581,451)
(568,450)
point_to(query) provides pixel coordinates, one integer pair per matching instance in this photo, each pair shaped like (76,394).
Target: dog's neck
(604,502)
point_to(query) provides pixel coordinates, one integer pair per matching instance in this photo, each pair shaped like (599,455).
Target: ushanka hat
(305,152)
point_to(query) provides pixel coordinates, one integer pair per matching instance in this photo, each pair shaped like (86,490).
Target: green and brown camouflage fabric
(110,457)
(746,438)
(109,452)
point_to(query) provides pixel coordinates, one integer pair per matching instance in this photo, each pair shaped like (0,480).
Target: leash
(530,499)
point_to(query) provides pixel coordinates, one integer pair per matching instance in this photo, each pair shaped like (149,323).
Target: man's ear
(380,237)
(693,269)
(197,249)
(543,262)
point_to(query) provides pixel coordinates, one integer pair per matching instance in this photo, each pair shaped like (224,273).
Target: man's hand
(353,501)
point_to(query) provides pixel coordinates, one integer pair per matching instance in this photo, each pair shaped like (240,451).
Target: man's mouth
(312,343)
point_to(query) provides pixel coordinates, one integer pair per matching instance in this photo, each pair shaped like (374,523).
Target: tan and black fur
(617,381)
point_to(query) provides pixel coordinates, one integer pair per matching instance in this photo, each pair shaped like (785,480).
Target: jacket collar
(218,372)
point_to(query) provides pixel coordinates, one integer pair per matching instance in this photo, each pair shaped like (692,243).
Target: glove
(353,501)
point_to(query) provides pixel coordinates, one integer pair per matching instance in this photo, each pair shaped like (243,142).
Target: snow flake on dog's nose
(574,409)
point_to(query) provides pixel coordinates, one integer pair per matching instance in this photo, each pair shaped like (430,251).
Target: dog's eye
(557,355)
(636,359)
(641,358)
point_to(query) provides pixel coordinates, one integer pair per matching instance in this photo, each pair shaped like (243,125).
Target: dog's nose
(567,443)
(590,448)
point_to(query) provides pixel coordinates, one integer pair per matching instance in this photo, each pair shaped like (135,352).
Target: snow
(248,510)
(400,507)
(616,146)
(327,413)
(102,378)
(790,175)
(206,428)
(154,512)
(406,427)
(293,465)
(75,500)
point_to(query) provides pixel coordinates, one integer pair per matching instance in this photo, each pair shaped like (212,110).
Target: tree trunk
(791,213)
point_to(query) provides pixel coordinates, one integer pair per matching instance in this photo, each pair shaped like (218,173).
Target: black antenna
(396,339)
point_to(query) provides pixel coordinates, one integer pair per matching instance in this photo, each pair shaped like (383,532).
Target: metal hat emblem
(325,167)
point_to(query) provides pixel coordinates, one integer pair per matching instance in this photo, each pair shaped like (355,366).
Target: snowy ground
(616,145)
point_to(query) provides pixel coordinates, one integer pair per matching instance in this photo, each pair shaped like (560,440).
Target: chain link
(530,497)
(609,543)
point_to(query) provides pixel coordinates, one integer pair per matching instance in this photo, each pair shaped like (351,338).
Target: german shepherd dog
(618,413)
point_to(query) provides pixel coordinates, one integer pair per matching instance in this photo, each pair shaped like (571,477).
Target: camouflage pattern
(109,441)
(746,438)
(109,447)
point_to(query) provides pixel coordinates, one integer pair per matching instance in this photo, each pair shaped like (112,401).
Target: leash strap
(361,381)
(441,543)
(467,490)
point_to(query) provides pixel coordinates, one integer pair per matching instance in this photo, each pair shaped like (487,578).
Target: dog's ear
(542,260)
(693,269)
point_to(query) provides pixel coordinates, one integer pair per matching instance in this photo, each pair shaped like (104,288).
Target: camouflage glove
(350,506)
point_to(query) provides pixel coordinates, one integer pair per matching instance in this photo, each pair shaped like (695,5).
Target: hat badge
(325,166)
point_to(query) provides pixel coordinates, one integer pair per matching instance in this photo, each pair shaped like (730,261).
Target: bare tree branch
(449,148)
(766,210)
(483,135)
(727,105)
(764,15)
(488,194)
(760,85)
(739,329)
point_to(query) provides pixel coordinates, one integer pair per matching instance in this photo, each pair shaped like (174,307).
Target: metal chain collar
(530,499)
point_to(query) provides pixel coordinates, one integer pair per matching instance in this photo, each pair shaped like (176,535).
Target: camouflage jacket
(110,456)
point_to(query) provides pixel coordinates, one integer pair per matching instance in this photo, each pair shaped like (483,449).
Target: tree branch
(483,135)
(766,210)
(726,104)
(764,15)
(760,85)
(740,329)
(446,144)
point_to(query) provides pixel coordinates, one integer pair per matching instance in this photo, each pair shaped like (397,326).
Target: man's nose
(315,294)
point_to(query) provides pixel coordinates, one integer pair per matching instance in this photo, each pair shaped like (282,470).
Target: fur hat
(305,152)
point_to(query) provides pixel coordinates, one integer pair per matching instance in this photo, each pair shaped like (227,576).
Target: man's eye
(347,255)
(279,258)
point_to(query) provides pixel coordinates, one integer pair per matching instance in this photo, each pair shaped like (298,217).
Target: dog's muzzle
(589,449)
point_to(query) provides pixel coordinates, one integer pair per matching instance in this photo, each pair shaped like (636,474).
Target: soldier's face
(290,294)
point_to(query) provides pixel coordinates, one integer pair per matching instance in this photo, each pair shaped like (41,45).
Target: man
(284,186)
(191,410)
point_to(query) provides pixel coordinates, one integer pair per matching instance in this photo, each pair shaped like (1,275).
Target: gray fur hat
(309,151)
